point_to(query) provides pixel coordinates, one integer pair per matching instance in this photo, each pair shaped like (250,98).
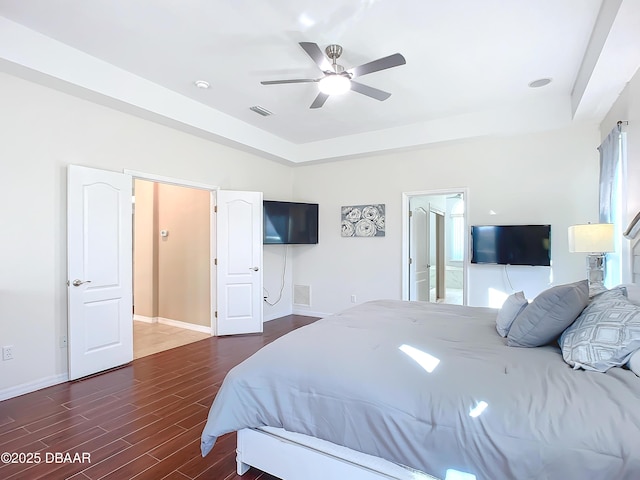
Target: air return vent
(302,295)
(261,111)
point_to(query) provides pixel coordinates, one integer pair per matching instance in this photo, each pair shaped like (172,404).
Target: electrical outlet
(7,352)
(353,299)
(63,341)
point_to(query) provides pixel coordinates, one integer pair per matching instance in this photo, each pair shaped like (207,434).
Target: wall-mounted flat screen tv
(290,223)
(511,244)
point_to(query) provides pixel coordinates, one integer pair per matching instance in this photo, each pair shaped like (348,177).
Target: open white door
(99,249)
(419,280)
(436,256)
(239,272)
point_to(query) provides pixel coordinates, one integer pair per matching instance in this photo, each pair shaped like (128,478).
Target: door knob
(77,283)
(255,269)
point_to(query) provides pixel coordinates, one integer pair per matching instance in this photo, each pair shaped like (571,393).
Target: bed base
(314,459)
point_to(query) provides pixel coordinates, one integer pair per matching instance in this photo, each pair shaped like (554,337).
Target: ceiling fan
(336,79)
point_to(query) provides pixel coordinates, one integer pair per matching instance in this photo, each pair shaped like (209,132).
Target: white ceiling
(468,66)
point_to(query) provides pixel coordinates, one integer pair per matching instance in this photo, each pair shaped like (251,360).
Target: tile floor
(150,338)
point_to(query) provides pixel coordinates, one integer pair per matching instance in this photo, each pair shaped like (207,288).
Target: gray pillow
(511,308)
(548,315)
(605,335)
(633,292)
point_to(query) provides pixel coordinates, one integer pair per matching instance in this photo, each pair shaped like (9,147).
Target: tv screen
(511,244)
(290,223)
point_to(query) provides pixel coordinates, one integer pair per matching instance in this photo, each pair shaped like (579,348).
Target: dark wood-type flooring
(140,421)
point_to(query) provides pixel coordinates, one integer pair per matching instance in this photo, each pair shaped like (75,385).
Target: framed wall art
(363,220)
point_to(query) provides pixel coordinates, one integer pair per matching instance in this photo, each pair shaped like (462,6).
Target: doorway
(171,266)
(100,263)
(434,246)
(227,285)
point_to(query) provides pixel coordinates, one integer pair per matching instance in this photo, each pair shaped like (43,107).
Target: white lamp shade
(591,238)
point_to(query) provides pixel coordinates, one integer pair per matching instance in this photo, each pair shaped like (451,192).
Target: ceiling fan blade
(319,101)
(295,80)
(381,64)
(369,91)
(313,50)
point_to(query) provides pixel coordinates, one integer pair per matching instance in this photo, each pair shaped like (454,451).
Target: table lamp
(596,239)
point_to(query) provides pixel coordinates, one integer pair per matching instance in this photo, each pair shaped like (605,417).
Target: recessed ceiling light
(541,82)
(306,21)
(201,84)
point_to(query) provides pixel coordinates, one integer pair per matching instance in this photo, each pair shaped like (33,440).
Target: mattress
(435,388)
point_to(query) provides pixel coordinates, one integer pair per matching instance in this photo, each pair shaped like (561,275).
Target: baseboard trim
(173,323)
(185,325)
(29,387)
(310,313)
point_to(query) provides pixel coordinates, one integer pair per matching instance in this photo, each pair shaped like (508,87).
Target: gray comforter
(361,379)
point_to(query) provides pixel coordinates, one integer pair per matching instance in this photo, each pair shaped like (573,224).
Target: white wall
(538,178)
(42,131)
(278,279)
(627,108)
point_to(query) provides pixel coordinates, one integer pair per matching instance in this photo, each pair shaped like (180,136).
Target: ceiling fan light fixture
(334,84)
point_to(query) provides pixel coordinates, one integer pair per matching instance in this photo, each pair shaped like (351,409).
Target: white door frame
(406,197)
(212,239)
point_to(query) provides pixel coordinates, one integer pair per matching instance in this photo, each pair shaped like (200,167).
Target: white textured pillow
(605,335)
(511,308)
(634,363)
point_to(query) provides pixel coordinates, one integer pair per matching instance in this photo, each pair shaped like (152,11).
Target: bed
(411,390)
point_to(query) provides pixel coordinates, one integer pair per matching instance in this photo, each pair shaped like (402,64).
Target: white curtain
(609,162)
(611,201)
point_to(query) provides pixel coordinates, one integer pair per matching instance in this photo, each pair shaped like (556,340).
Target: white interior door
(436,256)
(419,252)
(99,264)
(239,258)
